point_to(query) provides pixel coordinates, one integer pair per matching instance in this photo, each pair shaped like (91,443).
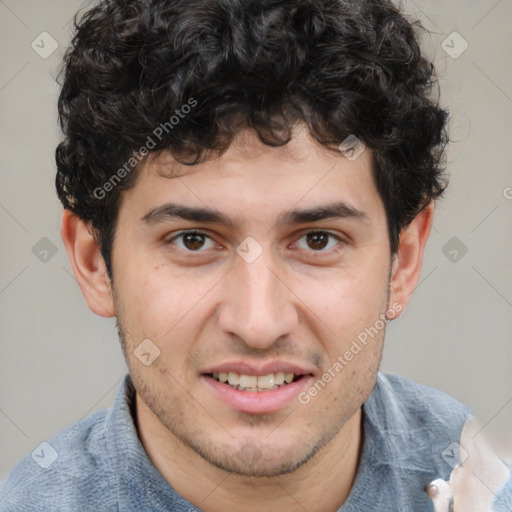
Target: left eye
(194,241)
(318,240)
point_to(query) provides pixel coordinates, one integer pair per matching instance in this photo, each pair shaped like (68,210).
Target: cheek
(349,323)
(168,308)
(347,300)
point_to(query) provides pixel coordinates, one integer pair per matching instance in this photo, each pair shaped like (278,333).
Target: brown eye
(192,241)
(318,241)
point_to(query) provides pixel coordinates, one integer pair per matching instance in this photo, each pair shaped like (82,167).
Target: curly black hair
(186,76)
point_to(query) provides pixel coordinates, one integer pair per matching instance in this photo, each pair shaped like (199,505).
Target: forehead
(257,179)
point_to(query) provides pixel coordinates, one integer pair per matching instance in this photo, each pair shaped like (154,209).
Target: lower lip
(257,402)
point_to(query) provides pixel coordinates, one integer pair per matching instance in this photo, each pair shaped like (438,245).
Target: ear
(88,264)
(407,262)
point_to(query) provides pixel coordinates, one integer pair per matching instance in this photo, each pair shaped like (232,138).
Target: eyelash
(201,233)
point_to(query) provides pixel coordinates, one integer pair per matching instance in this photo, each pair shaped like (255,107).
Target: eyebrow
(170,211)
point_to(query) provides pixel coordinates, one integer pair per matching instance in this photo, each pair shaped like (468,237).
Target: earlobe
(88,264)
(407,262)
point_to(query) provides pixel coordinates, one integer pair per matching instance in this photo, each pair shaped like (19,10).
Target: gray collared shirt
(410,435)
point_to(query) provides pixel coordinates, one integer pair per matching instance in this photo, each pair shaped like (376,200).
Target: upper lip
(258,369)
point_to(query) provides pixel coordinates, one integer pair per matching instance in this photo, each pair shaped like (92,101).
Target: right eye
(191,241)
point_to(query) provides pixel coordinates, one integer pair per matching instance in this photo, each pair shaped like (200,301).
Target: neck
(321,485)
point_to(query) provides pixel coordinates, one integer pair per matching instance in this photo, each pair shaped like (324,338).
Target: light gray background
(59,362)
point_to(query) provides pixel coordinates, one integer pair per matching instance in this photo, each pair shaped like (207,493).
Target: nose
(258,305)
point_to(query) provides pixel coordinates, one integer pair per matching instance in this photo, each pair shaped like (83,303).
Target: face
(246,275)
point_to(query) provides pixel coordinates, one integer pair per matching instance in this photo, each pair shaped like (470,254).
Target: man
(249,186)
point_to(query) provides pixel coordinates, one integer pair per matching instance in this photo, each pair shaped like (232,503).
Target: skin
(297,302)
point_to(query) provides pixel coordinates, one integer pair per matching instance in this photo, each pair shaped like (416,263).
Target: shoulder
(59,473)
(416,404)
(413,426)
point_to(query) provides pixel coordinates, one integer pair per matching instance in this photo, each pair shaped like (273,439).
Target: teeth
(266,381)
(248,381)
(279,378)
(233,379)
(254,383)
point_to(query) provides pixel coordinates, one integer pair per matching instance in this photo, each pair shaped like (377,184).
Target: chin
(254,459)
(251,463)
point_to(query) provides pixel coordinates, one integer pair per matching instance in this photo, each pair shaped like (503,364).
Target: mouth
(252,390)
(254,383)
